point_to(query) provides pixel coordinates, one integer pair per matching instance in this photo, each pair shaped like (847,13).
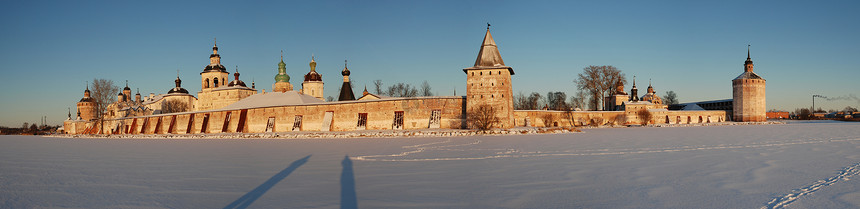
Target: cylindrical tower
(87,106)
(748,93)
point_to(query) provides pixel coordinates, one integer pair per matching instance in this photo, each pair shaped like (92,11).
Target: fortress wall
(548,118)
(380,116)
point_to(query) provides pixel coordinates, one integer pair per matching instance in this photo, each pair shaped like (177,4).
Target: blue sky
(49,49)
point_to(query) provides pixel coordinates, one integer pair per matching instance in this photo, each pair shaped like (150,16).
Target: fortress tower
(313,84)
(87,106)
(282,80)
(748,93)
(489,82)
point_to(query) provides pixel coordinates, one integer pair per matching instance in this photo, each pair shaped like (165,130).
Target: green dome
(282,73)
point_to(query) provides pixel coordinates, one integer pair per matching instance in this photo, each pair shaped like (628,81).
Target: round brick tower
(749,100)
(87,106)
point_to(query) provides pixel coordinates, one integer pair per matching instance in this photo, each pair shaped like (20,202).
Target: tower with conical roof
(489,82)
(345,89)
(748,95)
(313,84)
(87,106)
(282,80)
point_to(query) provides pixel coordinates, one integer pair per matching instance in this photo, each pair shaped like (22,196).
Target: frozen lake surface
(795,165)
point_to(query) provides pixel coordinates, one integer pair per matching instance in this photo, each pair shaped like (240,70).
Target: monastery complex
(230,106)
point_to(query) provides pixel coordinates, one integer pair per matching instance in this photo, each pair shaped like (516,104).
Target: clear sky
(49,49)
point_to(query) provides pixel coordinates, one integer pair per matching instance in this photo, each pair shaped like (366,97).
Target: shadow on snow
(250,197)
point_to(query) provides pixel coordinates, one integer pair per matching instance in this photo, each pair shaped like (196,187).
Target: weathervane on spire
(488,25)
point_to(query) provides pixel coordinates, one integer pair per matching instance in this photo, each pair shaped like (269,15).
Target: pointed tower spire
(488,55)
(748,51)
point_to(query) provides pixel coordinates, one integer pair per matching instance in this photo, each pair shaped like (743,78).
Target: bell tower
(489,82)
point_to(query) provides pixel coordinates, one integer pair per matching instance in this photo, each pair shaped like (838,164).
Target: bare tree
(425,89)
(402,90)
(533,102)
(599,81)
(644,116)
(520,101)
(557,101)
(670,98)
(172,106)
(104,93)
(578,101)
(849,109)
(482,117)
(378,86)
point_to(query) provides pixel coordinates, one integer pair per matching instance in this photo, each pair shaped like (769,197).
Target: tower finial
(634,81)
(126,83)
(488,25)
(344,64)
(88,85)
(282,55)
(177,72)
(216,41)
(649,81)
(748,51)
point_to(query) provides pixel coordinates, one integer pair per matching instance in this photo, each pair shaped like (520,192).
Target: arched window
(216,83)
(206,85)
(223,82)
(491,72)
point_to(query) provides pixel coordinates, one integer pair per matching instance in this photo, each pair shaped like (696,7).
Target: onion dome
(236,81)
(651,96)
(345,71)
(178,89)
(87,97)
(126,86)
(313,75)
(282,71)
(619,88)
(215,61)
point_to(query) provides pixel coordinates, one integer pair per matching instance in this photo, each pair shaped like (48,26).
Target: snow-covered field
(796,165)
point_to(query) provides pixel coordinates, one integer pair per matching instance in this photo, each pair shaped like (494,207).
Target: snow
(794,165)
(274,99)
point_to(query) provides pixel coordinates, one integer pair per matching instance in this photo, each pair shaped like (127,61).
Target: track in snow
(844,175)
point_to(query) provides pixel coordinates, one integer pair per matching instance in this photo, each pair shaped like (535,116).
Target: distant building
(777,115)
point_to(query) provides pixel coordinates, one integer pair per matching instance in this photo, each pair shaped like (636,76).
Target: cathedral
(230,106)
